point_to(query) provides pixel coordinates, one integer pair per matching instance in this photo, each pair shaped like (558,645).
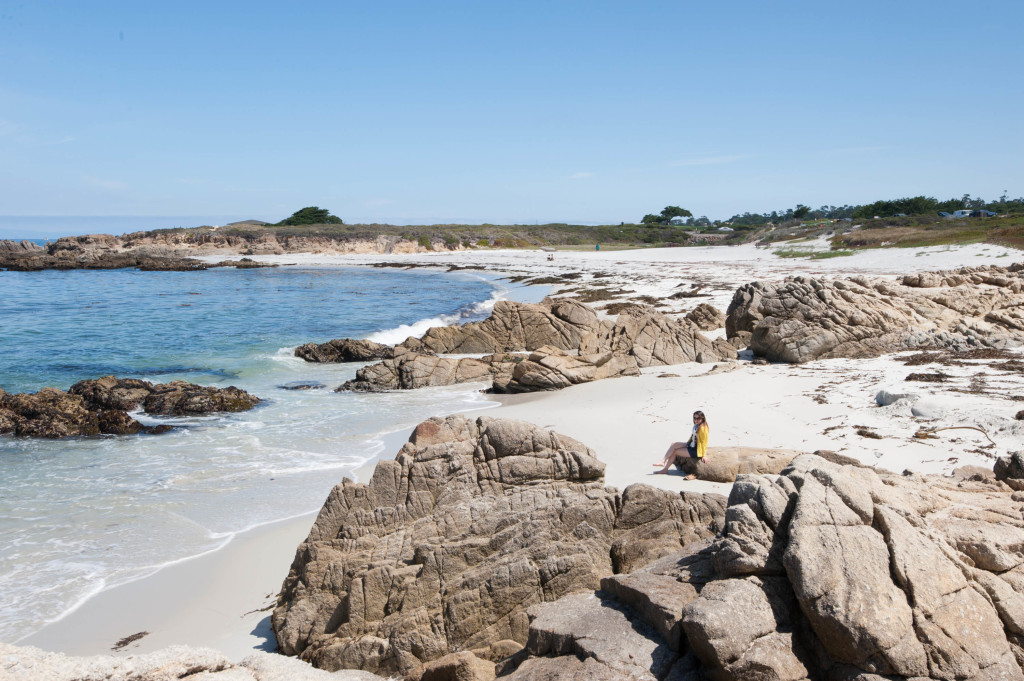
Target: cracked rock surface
(450,544)
(804,318)
(831,571)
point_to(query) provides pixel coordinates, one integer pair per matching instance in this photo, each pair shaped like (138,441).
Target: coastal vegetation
(311,215)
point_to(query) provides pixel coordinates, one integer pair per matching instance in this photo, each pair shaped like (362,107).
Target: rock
(179,398)
(344,350)
(49,413)
(549,368)
(302,385)
(450,544)
(652,338)
(585,626)
(706,317)
(110,392)
(803,318)
(829,571)
(883,398)
(409,370)
(175,662)
(514,326)
(723,464)
(462,666)
(1010,469)
(100,406)
(1019,415)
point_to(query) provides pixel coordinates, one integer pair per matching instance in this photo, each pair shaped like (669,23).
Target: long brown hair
(703,420)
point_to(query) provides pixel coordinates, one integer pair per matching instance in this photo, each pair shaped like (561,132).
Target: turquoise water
(83,514)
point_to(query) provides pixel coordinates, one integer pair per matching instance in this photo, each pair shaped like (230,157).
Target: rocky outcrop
(803,318)
(512,327)
(176,662)
(344,350)
(408,370)
(706,317)
(825,572)
(549,368)
(450,544)
(639,337)
(100,406)
(100,252)
(654,339)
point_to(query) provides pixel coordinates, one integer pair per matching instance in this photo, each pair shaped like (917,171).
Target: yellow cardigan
(702,441)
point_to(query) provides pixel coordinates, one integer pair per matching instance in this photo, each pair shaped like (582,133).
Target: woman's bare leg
(670,457)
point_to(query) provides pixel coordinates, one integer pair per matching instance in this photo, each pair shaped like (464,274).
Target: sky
(502,112)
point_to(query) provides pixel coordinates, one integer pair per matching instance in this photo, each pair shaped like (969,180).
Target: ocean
(81,515)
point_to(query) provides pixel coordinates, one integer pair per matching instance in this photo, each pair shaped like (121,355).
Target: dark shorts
(691,452)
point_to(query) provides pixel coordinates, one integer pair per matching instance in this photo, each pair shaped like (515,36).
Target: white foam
(467,313)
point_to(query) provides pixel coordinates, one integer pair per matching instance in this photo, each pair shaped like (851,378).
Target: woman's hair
(703,420)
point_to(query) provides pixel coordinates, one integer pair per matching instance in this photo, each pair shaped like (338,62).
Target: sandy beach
(221,599)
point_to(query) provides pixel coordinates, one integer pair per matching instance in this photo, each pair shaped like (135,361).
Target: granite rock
(804,318)
(451,543)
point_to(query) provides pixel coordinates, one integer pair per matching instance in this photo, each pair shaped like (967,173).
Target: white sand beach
(220,599)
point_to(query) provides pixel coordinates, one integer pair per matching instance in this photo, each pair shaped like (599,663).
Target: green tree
(670,212)
(801,211)
(312,215)
(666,216)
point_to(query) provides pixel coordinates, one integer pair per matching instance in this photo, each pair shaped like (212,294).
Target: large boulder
(549,368)
(723,464)
(408,370)
(344,350)
(180,398)
(804,318)
(450,544)
(653,339)
(514,326)
(706,317)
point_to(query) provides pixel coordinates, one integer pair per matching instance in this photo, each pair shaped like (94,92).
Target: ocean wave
(466,313)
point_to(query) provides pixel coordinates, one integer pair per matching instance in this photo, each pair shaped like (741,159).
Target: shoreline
(628,422)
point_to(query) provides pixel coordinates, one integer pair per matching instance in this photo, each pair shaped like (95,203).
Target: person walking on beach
(695,448)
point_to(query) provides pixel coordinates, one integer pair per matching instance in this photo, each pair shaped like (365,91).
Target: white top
(693,437)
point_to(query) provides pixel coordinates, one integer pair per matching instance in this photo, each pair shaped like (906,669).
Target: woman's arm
(702,441)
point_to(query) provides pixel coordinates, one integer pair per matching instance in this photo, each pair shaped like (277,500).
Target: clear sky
(503,111)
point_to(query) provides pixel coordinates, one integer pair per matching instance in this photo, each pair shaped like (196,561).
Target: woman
(695,448)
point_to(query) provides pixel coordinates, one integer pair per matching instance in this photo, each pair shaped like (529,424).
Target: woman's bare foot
(691,476)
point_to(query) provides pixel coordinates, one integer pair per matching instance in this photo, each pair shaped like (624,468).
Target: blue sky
(503,111)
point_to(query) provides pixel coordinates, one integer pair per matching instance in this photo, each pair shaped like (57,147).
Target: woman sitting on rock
(696,448)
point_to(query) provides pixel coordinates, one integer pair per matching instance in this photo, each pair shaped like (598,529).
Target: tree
(670,212)
(666,216)
(801,211)
(312,215)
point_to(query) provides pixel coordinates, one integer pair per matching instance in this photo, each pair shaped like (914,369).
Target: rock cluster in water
(100,406)
(451,543)
(491,547)
(804,318)
(567,341)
